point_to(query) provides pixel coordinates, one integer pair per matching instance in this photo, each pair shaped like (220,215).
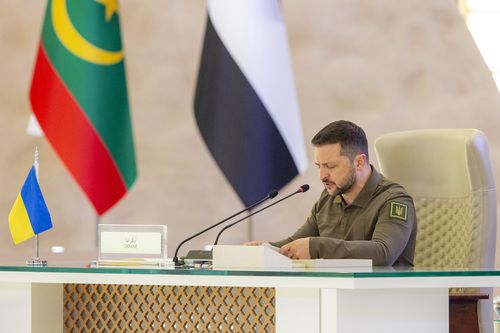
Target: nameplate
(118,241)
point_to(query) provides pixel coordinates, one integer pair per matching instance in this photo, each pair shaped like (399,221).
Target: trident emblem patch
(399,211)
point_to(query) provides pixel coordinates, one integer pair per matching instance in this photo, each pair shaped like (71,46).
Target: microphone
(301,189)
(179,262)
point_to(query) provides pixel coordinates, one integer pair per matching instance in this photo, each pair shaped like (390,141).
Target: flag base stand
(36,263)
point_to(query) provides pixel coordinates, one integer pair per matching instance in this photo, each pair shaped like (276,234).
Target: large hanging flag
(79,97)
(245,104)
(29,215)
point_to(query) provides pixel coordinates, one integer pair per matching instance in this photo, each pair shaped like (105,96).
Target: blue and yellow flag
(29,216)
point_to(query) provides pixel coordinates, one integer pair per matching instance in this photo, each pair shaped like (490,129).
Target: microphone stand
(180,262)
(302,189)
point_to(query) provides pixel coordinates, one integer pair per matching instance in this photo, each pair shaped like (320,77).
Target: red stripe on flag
(73,137)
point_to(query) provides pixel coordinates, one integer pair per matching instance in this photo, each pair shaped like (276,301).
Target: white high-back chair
(448,174)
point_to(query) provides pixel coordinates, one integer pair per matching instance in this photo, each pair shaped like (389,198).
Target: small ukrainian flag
(29,215)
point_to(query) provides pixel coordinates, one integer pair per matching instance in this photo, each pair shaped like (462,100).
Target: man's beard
(348,184)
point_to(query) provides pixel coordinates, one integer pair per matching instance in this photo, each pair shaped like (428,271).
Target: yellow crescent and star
(75,42)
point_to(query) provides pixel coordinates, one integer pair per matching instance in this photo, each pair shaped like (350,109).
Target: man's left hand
(298,249)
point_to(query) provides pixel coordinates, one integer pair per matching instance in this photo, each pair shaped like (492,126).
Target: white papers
(333,263)
(248,257)
(272,247)
(133,262)
(324,263)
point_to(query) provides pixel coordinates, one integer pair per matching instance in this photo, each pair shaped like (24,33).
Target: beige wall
(387,65)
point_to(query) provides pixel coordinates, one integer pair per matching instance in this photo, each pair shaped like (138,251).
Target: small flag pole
(37,262)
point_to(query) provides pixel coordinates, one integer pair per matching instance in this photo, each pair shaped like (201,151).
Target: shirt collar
(366,193)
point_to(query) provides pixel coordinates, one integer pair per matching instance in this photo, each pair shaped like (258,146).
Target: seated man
(360,213)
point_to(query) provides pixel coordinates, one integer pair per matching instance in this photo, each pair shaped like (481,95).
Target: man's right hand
(297,249)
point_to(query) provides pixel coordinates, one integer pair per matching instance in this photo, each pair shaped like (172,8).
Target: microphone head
(272,194)
(304,188)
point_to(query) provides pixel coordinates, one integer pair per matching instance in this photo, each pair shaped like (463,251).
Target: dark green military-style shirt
(380,225)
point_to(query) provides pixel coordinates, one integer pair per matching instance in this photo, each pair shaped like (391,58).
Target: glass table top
(169,269)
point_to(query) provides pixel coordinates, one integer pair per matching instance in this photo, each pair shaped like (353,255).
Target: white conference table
(320,300)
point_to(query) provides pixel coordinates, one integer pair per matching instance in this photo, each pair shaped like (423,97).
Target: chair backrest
(448,173)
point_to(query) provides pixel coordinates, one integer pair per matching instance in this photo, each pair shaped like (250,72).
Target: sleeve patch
(399,211)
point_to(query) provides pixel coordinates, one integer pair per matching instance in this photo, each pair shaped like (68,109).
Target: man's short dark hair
(351,137)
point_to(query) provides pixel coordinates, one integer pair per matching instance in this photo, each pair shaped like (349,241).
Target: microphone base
(199,255)
(194,258)
(178,262)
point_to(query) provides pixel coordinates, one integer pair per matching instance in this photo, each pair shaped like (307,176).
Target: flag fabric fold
(79,97)
(245,103)
(29,215)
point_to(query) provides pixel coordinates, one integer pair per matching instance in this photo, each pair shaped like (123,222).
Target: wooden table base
(463,312)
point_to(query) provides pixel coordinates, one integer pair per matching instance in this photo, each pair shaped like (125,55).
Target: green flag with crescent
(79,97)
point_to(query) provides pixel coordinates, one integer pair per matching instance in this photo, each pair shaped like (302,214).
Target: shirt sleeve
(390,237)
(308,229)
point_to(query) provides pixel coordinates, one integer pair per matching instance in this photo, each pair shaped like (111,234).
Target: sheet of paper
(333,263)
